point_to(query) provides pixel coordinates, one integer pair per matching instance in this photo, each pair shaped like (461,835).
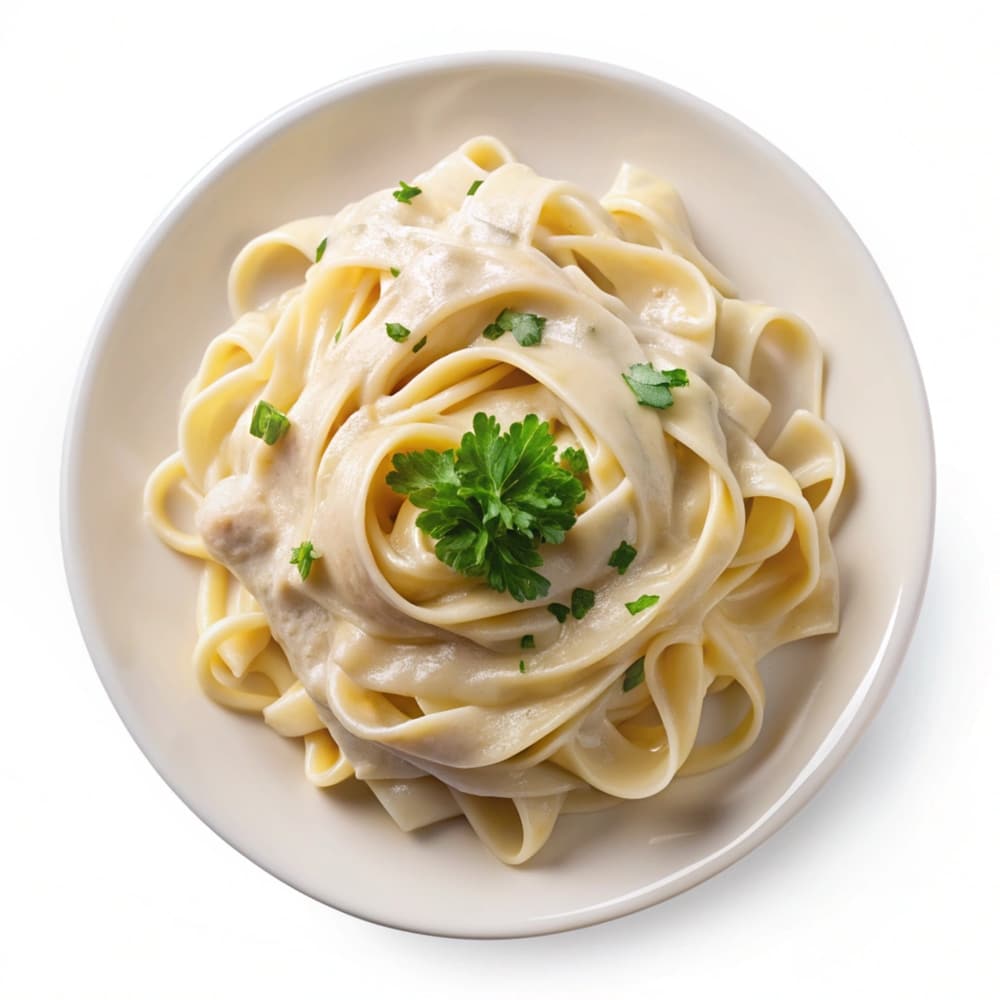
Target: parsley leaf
(641,603)
(406,193)
(646,374)
(422,342)
(340,330)
(397,332)
(473,188)
(521,666)
(581,601)
(268,423)
(575,459)
(394,271)
(652,387)
(559,611)
(527,642)
(321,249)
(491,503)
(303,556)
(635,674)
(526,327)
(622,557)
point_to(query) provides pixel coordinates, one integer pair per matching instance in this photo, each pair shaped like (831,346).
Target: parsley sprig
(491,503)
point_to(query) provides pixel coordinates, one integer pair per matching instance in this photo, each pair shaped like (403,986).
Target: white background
(888,884)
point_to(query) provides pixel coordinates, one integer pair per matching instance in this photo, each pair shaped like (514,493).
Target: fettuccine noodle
(393,668)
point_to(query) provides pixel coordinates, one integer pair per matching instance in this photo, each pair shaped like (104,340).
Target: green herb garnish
(397,332)
(406,193)
(522,667)
(340,330)
(321,249)
(394,271)
(635,674)
(559,611)
(493,502)
(268,423)
(422,342)
(473,188)
(527,642)
(303,556)
(641,603)
(575,459)
(622,557)
(526,327)
(581,601)
(652,387)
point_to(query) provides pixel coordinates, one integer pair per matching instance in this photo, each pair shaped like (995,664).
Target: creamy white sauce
(404,673)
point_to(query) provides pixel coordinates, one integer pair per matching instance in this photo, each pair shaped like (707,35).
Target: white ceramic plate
(758,217)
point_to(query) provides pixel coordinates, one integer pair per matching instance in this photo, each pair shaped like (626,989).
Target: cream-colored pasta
(397,670)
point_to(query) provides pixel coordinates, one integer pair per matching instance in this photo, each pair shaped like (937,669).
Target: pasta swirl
(393,668)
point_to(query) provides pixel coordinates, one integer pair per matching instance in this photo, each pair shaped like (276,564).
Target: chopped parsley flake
(581,601)
(560,611)
(406,193)
(635,674)
(526,327)
(397,332)
(320,250)
(641,603)
(422,342)
(652,387)
(268,423)
(303,556)
(527,642)
(473,188)
(575,459)
(622,557)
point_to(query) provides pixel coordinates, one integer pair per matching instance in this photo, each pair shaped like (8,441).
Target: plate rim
(867,698)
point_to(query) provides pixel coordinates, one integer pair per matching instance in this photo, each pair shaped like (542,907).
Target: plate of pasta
(454,501)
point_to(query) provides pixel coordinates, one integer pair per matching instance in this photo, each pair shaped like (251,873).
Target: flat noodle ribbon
(396,670)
